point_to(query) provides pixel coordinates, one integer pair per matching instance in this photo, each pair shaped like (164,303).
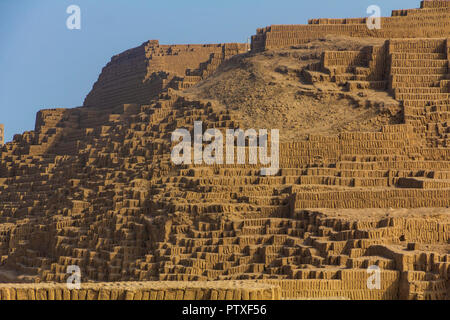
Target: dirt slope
(268,90)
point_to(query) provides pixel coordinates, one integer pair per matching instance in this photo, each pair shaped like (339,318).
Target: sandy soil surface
(268,90)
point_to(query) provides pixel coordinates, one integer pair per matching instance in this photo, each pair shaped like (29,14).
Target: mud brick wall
(122,80)
(418,77)
(347,284)
(364,69)
(420,285)
(435,4)
(108,183)
(139,74)
(330,149)
(49,125)
(359,199)
(231,290)
(2,134)
(432,20)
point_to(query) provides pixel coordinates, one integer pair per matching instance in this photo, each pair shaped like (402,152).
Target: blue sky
(44,65)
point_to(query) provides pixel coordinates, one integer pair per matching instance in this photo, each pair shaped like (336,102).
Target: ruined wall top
(431,20)
(139,74)
(435,4)
(2,134)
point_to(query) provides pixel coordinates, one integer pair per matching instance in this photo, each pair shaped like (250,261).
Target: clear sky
(43,64)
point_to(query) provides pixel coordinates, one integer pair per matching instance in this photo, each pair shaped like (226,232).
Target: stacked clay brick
(2,135)
(118,209)
(148,69)
(364,69)
(432,20)
(422,84)
(230,290)
(415,71)
(95,187)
